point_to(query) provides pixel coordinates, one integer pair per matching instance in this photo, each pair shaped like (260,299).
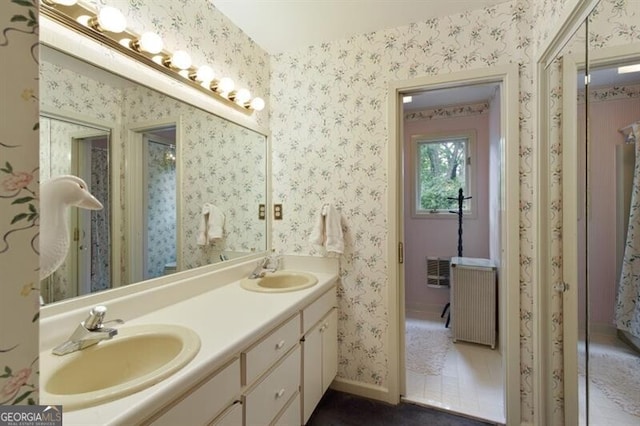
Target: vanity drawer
(205,401)
(269,396)
(291,414)
(232,416)
(257,359)
(318,309)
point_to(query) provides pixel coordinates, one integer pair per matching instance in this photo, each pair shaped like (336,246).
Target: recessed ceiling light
(407,99)
(629,68)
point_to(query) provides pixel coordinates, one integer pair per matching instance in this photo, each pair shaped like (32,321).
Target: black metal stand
(460,199)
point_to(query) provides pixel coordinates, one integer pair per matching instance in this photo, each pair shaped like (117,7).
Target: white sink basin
(136,358)
(280,282)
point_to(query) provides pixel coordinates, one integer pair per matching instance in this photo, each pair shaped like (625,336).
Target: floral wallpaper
(161,208)
(330,142)
(223,164)
(19,288)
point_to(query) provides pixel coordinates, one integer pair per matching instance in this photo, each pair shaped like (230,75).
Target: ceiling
(288,25)
(459,95)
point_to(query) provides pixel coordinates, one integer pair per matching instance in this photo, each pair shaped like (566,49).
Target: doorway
(452,144)
(92,228)
(159,206)
(154,185)
(506,241)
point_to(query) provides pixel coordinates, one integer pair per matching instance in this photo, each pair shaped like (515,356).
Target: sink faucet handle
(95,318)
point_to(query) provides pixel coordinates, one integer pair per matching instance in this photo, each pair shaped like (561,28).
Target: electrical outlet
(262,212)
(277,211)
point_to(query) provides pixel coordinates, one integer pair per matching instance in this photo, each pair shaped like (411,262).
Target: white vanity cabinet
(319,351)
(201,405)
(276,381)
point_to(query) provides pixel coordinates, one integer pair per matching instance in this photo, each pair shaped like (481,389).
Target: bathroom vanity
(264,358)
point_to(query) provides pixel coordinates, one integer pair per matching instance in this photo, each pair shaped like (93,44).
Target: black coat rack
(461,198)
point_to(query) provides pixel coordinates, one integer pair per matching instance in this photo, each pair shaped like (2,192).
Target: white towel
(211,225)
(328,230)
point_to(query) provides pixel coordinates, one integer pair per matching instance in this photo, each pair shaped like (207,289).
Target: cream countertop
(227,319)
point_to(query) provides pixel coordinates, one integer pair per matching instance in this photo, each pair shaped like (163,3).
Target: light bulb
(225,85)
(181,60)
(242,96)
(257,104)
(149,42)
(84,20)
(111,19)
(205,74)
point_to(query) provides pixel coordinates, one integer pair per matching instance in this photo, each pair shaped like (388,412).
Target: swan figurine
(56,196)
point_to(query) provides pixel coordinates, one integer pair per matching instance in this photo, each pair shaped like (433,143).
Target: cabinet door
(329,348)
(312,370)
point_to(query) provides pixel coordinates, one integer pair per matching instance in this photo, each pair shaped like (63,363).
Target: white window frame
(470,174)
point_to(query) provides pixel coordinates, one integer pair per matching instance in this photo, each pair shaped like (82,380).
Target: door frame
(508,77)
(115,152)
(134,178)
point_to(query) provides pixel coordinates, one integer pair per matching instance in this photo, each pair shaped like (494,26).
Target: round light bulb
(257,104)
(181,59)
(225,85)
(111,19)
(150,42)
(84,20)
(205,74)
(126,42)
(242,96)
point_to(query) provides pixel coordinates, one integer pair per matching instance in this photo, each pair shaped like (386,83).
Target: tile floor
(602,410)
(471,380)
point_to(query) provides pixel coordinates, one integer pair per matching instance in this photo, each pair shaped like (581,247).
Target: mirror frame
(66,40)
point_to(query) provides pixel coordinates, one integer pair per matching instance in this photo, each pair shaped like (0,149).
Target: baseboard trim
(365,390)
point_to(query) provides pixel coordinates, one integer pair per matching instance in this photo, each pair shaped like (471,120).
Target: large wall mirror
(181,187)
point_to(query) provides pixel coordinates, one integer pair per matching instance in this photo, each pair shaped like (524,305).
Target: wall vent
(438,271)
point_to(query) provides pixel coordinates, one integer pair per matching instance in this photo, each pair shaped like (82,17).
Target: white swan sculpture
(56,196)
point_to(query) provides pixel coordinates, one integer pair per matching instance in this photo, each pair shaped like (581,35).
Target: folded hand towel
(327,231)
(211,225)
(215,224)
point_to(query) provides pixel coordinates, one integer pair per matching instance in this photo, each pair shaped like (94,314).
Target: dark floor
(342,409)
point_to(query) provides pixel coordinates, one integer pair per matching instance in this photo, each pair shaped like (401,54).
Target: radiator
(474,300)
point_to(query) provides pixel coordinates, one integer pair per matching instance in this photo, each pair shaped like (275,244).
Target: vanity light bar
(108,26)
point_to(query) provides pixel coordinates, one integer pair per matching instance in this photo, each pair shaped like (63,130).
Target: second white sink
(280,281)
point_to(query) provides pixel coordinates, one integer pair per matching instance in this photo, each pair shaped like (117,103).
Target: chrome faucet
(88,333)
(268,264)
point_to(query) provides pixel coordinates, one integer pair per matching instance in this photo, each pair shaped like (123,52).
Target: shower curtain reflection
(627,311)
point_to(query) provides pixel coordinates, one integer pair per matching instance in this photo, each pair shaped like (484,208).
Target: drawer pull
(280,345)
(279,393)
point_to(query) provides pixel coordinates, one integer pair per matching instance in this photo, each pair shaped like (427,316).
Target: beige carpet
(618,376)
(427,347)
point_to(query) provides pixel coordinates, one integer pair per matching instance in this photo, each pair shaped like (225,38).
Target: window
(443,165)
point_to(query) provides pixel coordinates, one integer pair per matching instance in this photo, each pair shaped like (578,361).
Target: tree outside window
(442,167)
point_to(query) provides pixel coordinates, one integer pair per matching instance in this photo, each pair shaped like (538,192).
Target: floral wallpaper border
(448,112)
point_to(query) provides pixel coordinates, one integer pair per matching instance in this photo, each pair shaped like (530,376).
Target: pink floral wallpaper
(19,303)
